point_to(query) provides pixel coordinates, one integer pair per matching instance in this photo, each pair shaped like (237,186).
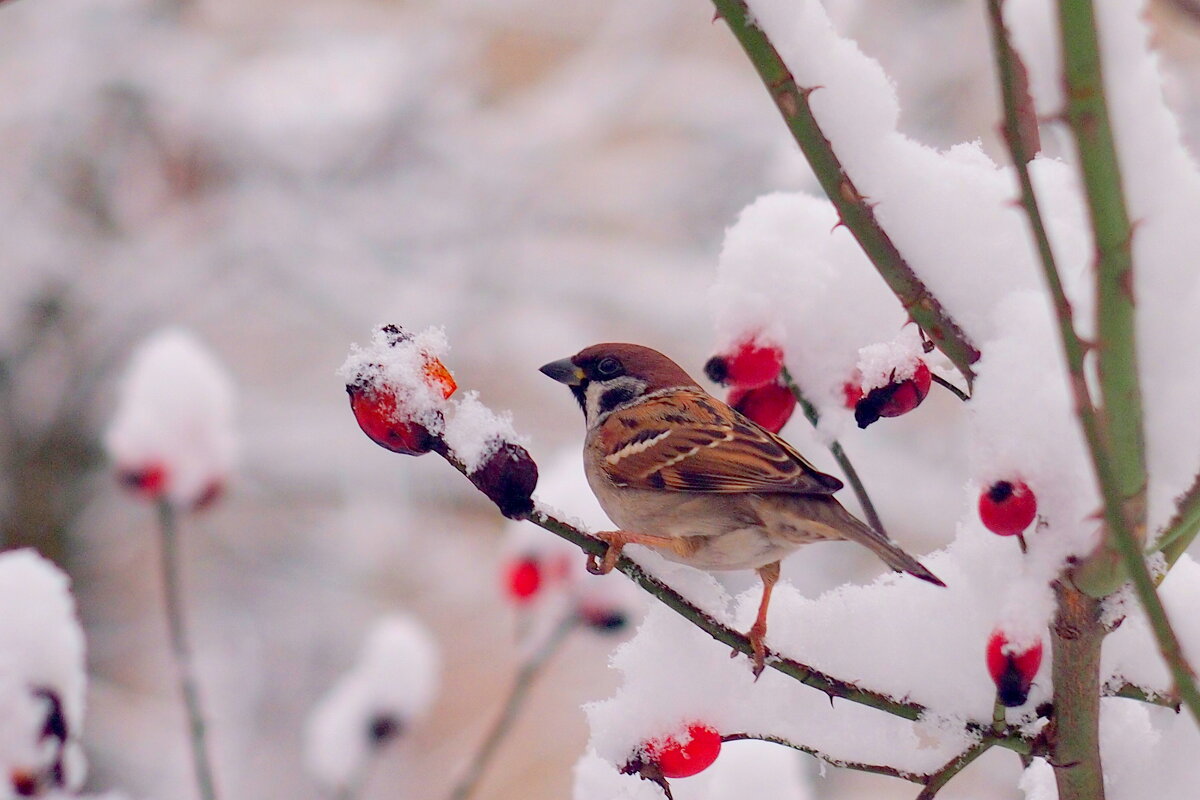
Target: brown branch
(874,769)
(855,211)
(831,686)
(935,782)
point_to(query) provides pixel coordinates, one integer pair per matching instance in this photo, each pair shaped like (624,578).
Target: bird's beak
(563,371)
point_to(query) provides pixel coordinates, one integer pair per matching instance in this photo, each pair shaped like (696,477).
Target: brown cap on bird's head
(612,359)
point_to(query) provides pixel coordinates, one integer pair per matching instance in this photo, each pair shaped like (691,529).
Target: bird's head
(605,377)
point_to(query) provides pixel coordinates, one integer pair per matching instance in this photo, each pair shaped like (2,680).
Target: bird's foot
(616,541)
(756,635)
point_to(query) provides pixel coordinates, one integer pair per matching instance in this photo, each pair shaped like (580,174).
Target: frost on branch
(42,679)
(172,436)
(391,686)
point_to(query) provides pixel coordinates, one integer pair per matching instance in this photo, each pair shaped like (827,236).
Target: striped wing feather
(690,442)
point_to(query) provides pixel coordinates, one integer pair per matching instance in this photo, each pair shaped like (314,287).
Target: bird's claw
(759,647)
(615,543)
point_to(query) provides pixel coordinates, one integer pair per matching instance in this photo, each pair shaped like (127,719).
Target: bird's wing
(688,441)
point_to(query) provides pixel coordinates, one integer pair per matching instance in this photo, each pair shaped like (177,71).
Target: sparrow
(683,473)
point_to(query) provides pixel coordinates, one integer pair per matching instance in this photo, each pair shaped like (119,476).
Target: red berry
(1007,508)
(771,406)
(148,481)
(508,478)
(1013,673)
(894,399)
(523,578)
(685,755)
(377,415)
(749,366)
(378,412)
(24,783)
(852,392)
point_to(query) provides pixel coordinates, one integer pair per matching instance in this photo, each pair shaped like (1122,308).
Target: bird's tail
(858,531)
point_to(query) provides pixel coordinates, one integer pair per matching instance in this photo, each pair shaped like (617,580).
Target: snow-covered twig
(526,676)
(168,528)
(855,211)
(839,455)
(1122,468)
(1131,692)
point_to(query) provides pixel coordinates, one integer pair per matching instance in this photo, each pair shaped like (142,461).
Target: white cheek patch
(594,406)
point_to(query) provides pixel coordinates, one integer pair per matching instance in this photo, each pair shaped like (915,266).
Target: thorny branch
(1011,738)
(1121,467)
(855,211)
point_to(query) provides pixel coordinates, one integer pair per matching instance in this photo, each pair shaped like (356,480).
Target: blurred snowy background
(533,175)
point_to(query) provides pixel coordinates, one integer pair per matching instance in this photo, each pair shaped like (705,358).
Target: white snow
(744,769)
(393,682)
(175,412)
(475,432)
(41,649)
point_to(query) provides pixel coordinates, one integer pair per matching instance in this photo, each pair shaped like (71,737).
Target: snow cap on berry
(408,367)
(42,678)
(1013,666)
(172,435)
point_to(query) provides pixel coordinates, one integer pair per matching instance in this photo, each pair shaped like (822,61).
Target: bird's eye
(608,367)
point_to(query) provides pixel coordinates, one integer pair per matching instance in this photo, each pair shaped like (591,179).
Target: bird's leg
(616,541)
(769,575)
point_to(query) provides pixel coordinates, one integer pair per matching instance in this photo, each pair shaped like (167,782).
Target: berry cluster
(753,371)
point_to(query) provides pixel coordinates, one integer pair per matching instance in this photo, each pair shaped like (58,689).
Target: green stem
(1182,529)
(172,588)
(839,455)
(1123,482)
(855,211)
(526,676)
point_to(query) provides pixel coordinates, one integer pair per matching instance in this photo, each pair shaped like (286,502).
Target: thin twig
(1182,529)
(172,588)
(1123,483)
(855,211)
(874,769)
(935,782)
(839,455)
(945,384)
(1131,692)
(526,676)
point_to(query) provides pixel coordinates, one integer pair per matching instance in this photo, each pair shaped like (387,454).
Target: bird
(681,472)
